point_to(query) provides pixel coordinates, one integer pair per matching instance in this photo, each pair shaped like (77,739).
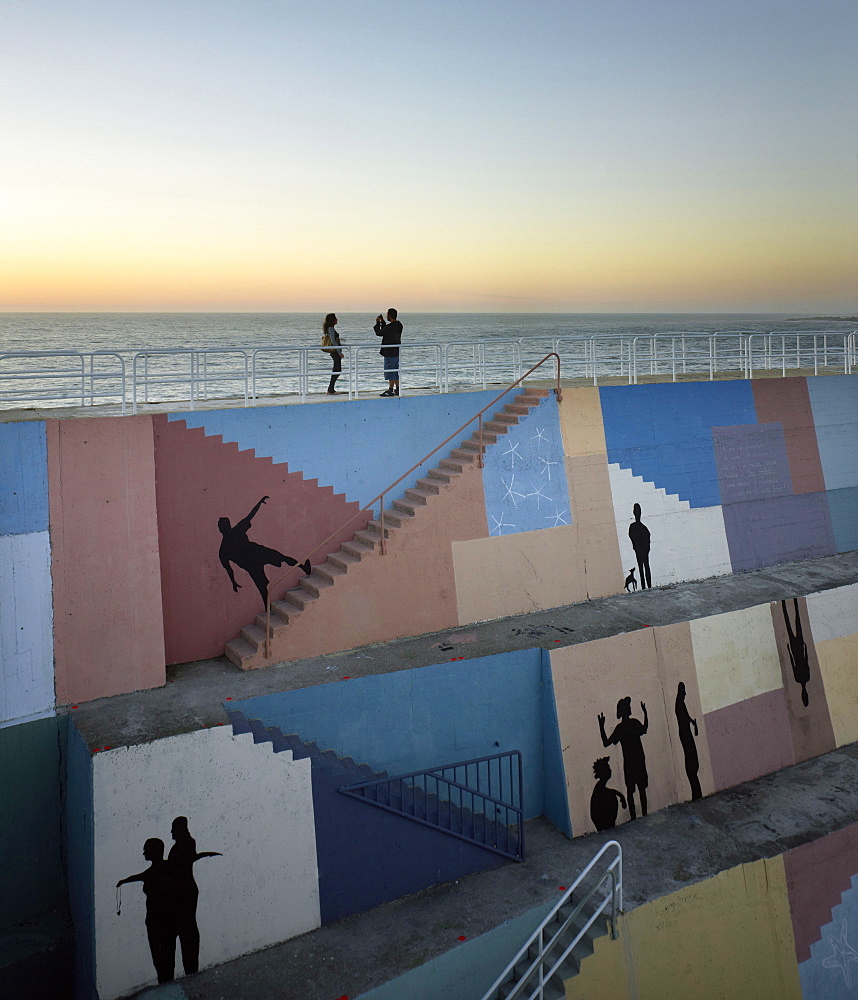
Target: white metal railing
(193,375)
(531,984)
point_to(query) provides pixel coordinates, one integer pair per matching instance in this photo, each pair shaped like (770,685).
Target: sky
(452,155)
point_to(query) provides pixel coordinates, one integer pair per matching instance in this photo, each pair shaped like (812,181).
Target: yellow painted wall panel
(838,664)
(728,938)
(581,422)
(736,656)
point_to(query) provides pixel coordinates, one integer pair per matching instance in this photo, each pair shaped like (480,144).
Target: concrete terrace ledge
(195,693)
(662,853)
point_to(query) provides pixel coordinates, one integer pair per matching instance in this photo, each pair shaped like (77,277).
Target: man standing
(391,334)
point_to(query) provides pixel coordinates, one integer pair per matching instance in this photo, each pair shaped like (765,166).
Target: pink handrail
(368,507)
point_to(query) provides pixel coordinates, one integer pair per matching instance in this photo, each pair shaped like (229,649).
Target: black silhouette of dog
(631,582)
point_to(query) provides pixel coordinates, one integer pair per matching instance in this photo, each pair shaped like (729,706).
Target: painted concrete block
(26,639)
(357,449)
(781,529)
(752,462)
(787,401)
(591,682)
(833,613)
(834,400)
(837,664)
(524,475)
(581,422)
(23,478)
(843,510)
(108,625)
(686,543)
(749,738)
(736,657)
(253,807)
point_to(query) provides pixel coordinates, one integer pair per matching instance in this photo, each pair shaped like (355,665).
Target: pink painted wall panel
(787,402)
(817,873)
(108,628)
(201,479)
(749,738)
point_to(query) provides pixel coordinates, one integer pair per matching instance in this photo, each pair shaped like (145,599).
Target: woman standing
(330,343)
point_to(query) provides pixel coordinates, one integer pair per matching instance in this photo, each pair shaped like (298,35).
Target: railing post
(480,456)
(382,548)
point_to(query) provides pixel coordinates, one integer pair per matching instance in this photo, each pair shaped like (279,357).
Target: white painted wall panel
(26,628)
(833,613)
(687,543)
(253,805)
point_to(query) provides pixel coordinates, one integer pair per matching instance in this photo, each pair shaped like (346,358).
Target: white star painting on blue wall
(525,476)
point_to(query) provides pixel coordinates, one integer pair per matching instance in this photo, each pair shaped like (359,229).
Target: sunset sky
(473,155)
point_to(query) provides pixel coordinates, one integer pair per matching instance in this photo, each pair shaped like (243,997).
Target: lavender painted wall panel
(780,529)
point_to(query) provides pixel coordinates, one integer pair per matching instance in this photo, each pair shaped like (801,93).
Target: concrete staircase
(554,988)
(248,650)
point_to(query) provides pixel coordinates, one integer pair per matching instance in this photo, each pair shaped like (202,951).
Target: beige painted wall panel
(512,574)
(838,663)
(592,517)
(736,656)
(591,679)
(581,422)
(834,613)
(676,665)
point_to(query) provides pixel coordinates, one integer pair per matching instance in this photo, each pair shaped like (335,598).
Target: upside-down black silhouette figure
(797,648)
(249,556)
(628,733)
(605,802)
(689,746)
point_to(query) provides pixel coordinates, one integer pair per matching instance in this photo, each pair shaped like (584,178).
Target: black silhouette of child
(798,657)
(685,724)
(605,802)
(159,887)
(249,556)
(639,535)
(628,733)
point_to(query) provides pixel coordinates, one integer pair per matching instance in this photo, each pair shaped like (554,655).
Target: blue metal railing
(478,800)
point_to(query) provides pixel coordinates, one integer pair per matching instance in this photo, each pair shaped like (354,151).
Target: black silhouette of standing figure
(182,857)
(249,556)
(171,901)
(605,802)
(685,724)
(798,657)
(639,535)
(160,890)
(628,733)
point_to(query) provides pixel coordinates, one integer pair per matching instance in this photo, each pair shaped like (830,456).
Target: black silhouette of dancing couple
(237,548)
(171,900)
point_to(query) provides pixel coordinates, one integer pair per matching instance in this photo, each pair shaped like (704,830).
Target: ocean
(127,332)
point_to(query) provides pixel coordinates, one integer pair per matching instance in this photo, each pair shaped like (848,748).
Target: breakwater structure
(159,729)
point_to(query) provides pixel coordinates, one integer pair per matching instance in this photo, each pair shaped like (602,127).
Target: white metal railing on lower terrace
(196,376)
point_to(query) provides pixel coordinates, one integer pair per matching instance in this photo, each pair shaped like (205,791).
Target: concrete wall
(759,692)
(728,476)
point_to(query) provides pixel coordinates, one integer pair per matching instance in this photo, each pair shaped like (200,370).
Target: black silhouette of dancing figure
(798,657)
(628,733)
(605,802)
(159,889)
(689,746)
(182,857)
(249,556)
(639,535)
(171,901)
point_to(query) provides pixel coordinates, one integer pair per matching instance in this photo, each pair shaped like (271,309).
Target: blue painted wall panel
(525,476)
(23,478)
(843,508)
(555,794)
(80,846)
(834,401)
(664,432)
(415,719)
(358,448)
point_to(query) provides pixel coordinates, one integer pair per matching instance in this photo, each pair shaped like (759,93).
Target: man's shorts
(391,367)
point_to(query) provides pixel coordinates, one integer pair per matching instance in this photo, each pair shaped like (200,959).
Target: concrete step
(508,419)
(432,485)
(278,621)
(420,496)
(300,598)
(342,560)
(239,652)
(253,635)
(449,465)
(495,427)
(330,571)
(315,583)
(462,454)
(407,507)
(357,548)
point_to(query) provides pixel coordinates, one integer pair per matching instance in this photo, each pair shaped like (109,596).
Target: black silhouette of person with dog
(171,900)
(797,649)
(685,723)
(639,536)
(249,556)
(628,733)
(605,802)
